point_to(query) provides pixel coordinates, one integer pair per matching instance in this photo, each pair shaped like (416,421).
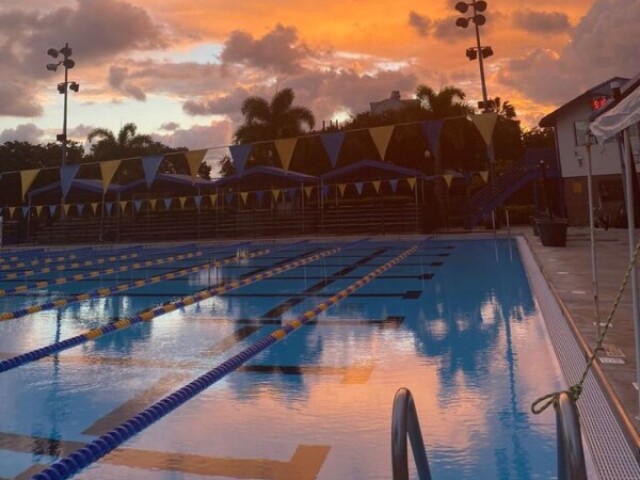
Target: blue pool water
(455,322)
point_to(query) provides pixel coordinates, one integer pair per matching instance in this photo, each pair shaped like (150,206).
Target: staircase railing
(405,423)
(571,465)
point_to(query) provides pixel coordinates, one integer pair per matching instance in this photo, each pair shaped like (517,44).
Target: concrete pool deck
(568,271)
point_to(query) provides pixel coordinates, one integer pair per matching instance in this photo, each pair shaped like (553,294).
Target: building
(570,123)
(392,103)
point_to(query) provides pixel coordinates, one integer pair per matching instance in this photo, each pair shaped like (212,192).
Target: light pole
(478,51)
(63,88)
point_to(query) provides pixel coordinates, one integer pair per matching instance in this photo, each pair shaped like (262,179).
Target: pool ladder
(405,423)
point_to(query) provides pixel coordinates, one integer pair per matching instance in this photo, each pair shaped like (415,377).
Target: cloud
(27,132)
(420,23)
(217,133)
(228,104)
(601,47)
(277,51)
(16,98)
(541,22)
(118,80)
(170,126)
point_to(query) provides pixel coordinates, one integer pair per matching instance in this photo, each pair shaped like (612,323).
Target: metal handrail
(404,422)
(571,465)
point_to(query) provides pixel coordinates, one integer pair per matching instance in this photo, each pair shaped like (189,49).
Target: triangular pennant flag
(153,203)
(26,178)
(123,205)
(332,143)
(448,178)
(228,197)
(66,207)
(432,130)
(325,191)
(342,187)
(307,191)
(239,155)
(108,207)
(94,207)
(25,211)
(67,174)
(276,194)
(150,165)
(182,201)
(80,208)
(381,137)
(167,203)
(198,200)
(52,210)
(285,147)
(244,196)
(11,210)
(213,198)
(137,205)
(260,194)
(107,169)
(485,123)
(484,175)
(39,210)
(411,182)
(194,159)
(359,186)
(376,185)
(394,184)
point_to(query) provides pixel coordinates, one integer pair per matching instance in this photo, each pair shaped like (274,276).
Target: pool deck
(569,273)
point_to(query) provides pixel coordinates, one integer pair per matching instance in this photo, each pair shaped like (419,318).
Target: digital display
(598,102)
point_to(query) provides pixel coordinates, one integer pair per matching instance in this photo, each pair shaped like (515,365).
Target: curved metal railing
(405,423)
(571,464)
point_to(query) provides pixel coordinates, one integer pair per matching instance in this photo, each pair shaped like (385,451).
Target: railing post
(571,464)
(404,422)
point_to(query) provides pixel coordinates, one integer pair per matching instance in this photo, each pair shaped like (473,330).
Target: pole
(631,227)
(480,62)
(594,266)
(64,117)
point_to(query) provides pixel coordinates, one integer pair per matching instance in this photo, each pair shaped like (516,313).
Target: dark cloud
(216,134)
(446,29)
(170,126)
(420,23)
(228,104)
(541,22)
(27,132)
(601,47)
(118,79)
(16,98)
(278,51)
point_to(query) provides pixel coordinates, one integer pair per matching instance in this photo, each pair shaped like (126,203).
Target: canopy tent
(261,177)
(367,170)
(618,115)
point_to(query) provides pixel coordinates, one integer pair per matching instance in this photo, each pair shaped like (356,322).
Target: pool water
(454,321)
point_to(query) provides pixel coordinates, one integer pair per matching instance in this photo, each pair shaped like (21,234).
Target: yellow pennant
(484,175)
(276,194)
(194,159)
(94,207)
(39,210)
(213,197)
(11,210)
(485,123)
(182,201)
(307,191)
(152,202)
(123,205)
(26,178)
(65,207)
(107,170)
(342,187)
(411,182)
(243,196)
(376,185)
(285,148)
(381,137)
(448,178)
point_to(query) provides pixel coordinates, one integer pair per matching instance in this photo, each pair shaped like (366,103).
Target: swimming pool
(452,320)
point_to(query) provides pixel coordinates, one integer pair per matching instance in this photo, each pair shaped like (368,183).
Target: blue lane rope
(92,452)
(150,314)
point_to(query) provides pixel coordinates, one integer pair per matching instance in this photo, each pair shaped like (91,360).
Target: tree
(505,110)
(448,102)
(265,121)
(128,143)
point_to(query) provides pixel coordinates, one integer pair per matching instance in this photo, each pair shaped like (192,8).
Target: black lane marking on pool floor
(230,341)
(392,321)
(295,298)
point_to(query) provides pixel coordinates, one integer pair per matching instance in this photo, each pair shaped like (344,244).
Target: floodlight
(462,22)
(52,52)
(68,63)
(74,86)
(462,7)
(480,19)
(52,67)
(480,6)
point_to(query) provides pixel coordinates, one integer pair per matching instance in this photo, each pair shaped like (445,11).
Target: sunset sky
(180,69)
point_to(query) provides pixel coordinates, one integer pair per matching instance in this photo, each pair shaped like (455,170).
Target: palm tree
(505,109)
(128,143)
(448,102)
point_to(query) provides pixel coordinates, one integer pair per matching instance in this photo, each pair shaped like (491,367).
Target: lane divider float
(93,451)
(150,314)
(107,291)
